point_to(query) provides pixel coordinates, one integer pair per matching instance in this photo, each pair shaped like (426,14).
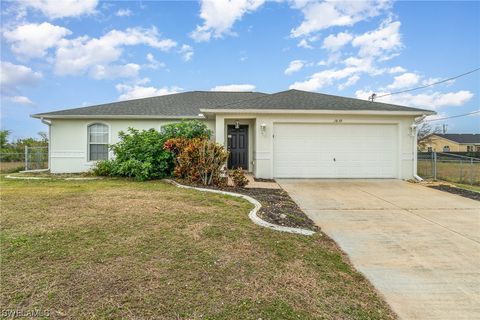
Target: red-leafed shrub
(197,160)
(239,178)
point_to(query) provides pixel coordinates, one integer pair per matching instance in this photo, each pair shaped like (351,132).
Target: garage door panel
(335,151)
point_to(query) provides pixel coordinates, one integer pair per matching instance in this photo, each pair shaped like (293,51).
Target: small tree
(43,136)
(424,135)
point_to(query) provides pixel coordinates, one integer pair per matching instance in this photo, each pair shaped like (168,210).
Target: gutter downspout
(49,124)
(414,127)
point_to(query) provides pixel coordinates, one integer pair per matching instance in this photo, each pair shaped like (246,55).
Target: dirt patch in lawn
(277,206)
(461,192)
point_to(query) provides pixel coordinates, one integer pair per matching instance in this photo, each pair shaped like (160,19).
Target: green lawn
(110,249)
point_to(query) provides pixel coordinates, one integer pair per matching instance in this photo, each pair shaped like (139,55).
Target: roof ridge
(267,95)
(223,91)
(232,103)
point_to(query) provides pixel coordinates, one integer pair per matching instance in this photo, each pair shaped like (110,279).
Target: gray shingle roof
(186,104)
(304,100)
(189,104)
(461,137)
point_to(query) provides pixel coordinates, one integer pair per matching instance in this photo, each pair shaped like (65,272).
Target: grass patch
(467,187)
(115,248)
(9,167)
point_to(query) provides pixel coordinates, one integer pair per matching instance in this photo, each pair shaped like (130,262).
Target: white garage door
(335,151)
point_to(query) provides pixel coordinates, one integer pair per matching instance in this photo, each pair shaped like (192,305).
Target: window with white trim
(469,148)
(97,142)
(446,148)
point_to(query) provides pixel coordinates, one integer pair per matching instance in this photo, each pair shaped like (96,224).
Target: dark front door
(238,146)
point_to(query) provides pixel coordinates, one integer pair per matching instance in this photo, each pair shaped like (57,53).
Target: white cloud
(154,64)
(304,44)
(219,17)
(33,40)
(19,100)
(405,80)
(81,54)
(334,43)
(379,42)
(432,100)
(234,87)
(187,52)
(124,13)
(323,78)
(350,82)
(128,70)
(137,91)
(13,77)
(397,69)
(325,14)
(372,46)
(294,66)
(54,9)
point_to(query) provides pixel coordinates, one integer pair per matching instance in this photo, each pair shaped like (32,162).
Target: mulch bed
(263,180)
(461,192)
(277,206)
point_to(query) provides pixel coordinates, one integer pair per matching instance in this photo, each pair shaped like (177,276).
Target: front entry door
(237,146)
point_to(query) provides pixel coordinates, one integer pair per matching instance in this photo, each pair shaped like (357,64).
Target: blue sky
(57,55)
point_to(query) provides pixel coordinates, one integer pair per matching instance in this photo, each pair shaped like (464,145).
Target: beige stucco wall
(68,140)
(263,152)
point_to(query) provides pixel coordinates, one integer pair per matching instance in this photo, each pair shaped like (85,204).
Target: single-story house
(289,134)
(451,142)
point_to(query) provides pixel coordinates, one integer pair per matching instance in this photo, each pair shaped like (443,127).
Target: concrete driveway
(418,246)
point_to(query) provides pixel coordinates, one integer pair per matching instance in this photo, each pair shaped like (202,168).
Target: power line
(374,96)
(457,116)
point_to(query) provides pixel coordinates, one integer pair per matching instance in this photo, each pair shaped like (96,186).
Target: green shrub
(103,168)
(239,178)
(188,129)
(198,160)
(141,154)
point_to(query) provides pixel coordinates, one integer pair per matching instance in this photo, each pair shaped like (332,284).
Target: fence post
(471,171)
(26,157)
(434,166)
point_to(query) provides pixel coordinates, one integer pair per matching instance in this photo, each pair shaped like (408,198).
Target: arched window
(97,142)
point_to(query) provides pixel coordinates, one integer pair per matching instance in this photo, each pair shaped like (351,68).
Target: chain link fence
(449,167)
(33,158)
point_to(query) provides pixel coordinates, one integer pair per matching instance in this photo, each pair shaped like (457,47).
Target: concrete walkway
(418,246)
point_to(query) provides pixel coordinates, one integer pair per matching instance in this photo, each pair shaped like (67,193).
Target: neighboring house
(290,134)
(451,142)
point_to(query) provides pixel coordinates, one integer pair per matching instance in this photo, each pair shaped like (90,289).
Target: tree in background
(4,139)
(425,132)
(15,150)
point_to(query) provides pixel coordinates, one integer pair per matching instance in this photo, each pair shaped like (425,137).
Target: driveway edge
(252,214)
